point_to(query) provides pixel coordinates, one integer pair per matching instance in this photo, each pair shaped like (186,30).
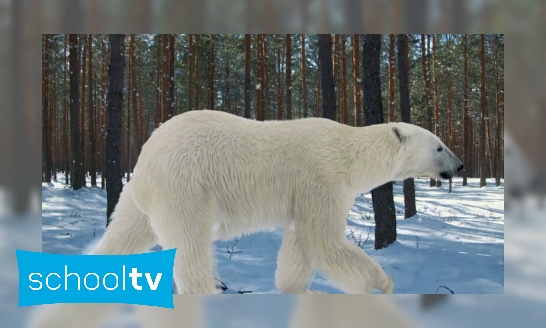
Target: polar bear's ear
(398,133)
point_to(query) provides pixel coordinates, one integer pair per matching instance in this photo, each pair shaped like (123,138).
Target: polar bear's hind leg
(129,231)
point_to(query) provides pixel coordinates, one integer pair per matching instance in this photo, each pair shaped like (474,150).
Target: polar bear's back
(240,162)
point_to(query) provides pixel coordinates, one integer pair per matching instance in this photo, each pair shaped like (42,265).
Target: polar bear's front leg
(353,270)
(294,270)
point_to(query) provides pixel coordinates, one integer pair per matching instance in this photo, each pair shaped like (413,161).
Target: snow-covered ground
(455,241)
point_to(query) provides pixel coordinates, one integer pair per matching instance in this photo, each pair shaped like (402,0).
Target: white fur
(207,175)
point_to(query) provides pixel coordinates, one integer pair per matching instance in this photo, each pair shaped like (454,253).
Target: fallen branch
(445,288)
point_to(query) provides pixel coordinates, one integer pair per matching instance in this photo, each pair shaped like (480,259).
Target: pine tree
(116,72)
(382,197)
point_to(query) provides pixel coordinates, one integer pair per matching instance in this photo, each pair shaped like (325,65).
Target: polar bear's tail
(129,231)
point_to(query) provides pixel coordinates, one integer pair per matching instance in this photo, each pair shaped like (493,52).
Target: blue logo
(143,279)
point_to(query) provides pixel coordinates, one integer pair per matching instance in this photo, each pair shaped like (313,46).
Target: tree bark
(304,77)
(191,61)
(212,96)
(327,78)
(260,114)
(83,145)
(288,76)
(46,151)
(382,197)
(247,75)
(498,152)
(197,87)
(344,79)
(170,112)
(483,118)
(436,96)
(114,184)
(466,123)
(66,143)
(405,113)
(77,175)
(91,115)
(357,85)
(391,77)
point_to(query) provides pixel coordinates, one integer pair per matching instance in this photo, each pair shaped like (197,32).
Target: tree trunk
(191,61)
(498,151)
(212,96)
(356,77)
(260,114)
(46,151)
(83,144)
(335,67)
(159,82)
(197,87)
(247,75)
(344,79)
(66,143)
(483,118)
(391,77)
(288,76)
(115,108)
(304,77)
(449,114)
(405,113)
(91,115)
(280,88)
(466,123)
(165,60)
(170,112)
(382,197)
(327,78)
(77,175)
(436,96)
(134,103)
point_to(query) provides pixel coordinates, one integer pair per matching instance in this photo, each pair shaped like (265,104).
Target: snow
(456,240)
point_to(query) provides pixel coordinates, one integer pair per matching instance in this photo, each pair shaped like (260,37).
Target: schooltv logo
(143,279)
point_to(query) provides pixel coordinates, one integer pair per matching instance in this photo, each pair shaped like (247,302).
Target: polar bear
(207,175)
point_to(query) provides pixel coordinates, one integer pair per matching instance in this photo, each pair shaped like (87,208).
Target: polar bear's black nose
(460,168)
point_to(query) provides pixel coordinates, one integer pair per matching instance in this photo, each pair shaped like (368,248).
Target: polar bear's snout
(453,164)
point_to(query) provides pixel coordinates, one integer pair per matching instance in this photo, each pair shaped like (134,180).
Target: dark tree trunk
(66,144)
(115,107)
(483,118)
(356,77)
(171,77)
(343,79)
(391,77)
(247,75)
(191,61)
(403,78)
(77,175)
(197,86)
(466,123)
(260,109)
(211,74)
(46,150)
(288,76)
(91,111)
(83,145)
(436,96)
(498,152)
(327,77)
(304,77)
(383,202)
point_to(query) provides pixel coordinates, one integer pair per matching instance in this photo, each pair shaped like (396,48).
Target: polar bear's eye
(440,149)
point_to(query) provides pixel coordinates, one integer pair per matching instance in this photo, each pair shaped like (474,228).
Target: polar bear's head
(423,153)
